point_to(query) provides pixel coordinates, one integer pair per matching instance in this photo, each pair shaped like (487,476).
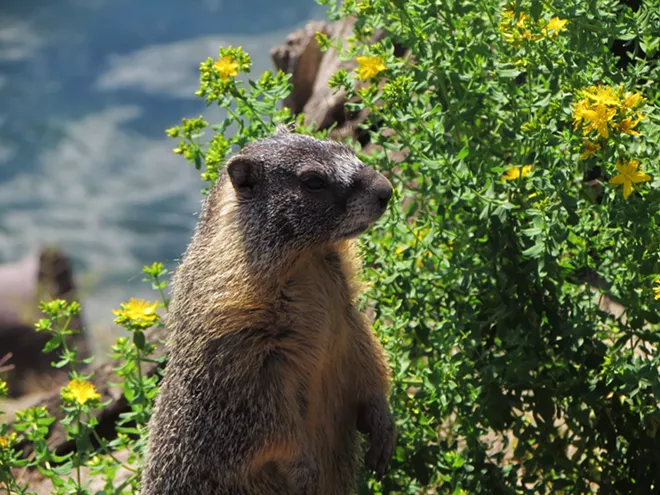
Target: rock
(45,275)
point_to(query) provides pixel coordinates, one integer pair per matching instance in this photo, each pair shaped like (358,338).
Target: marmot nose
(383,190)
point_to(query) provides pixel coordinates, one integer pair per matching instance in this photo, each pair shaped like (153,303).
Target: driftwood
(46,275)
(301,57)
(311,70)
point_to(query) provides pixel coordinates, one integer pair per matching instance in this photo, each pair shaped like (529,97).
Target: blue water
(87,88)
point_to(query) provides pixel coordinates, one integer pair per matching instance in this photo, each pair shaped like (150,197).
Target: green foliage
(523,141)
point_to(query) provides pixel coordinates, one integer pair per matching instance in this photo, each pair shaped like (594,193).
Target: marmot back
(272,370)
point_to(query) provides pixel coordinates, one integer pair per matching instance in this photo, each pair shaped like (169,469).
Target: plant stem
(162,294)
(108,452)
(78,456)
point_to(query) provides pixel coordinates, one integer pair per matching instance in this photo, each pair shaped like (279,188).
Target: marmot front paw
(375,420)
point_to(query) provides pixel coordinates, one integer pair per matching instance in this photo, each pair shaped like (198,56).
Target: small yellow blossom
(632,100)
(420,234)
(522,29)
(527,34)
(629,174)
(3,388)
(578,112)
(7,440)
(627,125)
(597,119)
(516,172)
(80,391)
(656,289)
(514,33)
(556,25)
(398,251)
(419,262)
(589,149)
(226,67)
(522,19)
(604,109)
(138,311)
(604,95)
(369,67)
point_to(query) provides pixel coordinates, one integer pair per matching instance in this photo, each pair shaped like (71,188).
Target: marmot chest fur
(272,370)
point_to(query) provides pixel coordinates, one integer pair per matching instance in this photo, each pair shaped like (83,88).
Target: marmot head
(294,192)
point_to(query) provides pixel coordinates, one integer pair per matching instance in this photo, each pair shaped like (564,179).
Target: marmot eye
(313,182)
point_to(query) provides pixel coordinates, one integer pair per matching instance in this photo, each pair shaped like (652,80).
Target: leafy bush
(526,209)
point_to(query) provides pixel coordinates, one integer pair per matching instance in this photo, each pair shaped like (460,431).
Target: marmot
(272,369)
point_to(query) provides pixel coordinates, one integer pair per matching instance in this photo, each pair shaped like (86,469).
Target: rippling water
(87,88)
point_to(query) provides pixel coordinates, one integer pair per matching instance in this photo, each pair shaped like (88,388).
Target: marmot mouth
(356,231)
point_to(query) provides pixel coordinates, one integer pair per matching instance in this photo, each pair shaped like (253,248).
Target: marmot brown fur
(272,369)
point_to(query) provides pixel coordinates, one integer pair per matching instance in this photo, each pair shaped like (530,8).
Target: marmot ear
(244,175)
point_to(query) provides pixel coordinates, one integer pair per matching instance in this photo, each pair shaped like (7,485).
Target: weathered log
(311,70)
(43,276)
(301,57)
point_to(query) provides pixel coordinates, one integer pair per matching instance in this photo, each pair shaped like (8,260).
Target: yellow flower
(7,440)
(508,14)
(514,33)
(589,149)
(369,66)
(578,112)
(420,234)
(138,311)
(632,100)
(419,262)
(3,388)
(398,251)
(556,25)
(529,36)
(226,67)
(629,175)
(656,289)
(597,119)
(604,95)
(80,391)
(627,125)
(522,20)
(516,172)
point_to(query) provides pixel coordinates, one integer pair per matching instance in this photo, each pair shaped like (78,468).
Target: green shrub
(526,199)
